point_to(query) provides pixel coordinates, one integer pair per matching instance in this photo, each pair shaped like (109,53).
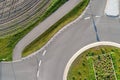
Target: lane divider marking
(44,53)
(38,72)
(40,63)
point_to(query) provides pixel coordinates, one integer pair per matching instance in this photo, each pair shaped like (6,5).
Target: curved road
(42,27)
(50,63)
(75,37)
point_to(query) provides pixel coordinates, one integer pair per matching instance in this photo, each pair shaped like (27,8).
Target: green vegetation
(91,69)
(46,36)
(8,43)
(98,66)
(103,67)
(116,62)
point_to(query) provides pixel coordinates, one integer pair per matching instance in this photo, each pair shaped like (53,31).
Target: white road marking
(97,16)
(38,72)
(40,63)
(87,18)
(44,52)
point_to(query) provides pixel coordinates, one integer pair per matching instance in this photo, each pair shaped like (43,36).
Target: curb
(84,49)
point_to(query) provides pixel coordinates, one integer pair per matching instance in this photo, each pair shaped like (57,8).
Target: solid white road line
(40,63)
(87,18)
(44,52)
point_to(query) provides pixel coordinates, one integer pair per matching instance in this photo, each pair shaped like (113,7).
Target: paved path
(42,27)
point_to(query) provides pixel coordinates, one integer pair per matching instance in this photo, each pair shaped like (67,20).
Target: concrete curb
(84,49)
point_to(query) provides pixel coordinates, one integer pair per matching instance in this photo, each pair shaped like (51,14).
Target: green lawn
(116,62)
(85,64)
(103,67)
(91,69)
(46,36)
(8,43)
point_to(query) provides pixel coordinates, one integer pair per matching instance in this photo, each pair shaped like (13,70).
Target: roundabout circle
(82,50)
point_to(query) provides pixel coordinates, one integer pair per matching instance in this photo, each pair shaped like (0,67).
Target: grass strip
(47,35)
(116,62)
(91,69)
(8,43)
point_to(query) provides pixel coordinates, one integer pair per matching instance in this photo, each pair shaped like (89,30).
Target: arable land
(98,63)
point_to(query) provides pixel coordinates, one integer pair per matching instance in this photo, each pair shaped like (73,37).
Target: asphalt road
(50,64)
(42,27)
(75,37)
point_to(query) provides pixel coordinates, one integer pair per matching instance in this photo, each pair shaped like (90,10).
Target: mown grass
(8,43)
(81,67)
(46,36)
(91,69)
(116,62)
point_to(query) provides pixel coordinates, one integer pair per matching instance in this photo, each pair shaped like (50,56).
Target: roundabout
(96,61)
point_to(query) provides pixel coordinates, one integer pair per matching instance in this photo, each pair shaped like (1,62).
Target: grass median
(8,43)
(47,35)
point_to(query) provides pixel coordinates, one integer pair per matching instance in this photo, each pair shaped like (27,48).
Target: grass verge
(8,43)
(47,35)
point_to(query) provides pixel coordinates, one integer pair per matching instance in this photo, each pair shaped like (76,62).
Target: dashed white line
(44,53)
(87,18)
(38,72)
(40,63)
